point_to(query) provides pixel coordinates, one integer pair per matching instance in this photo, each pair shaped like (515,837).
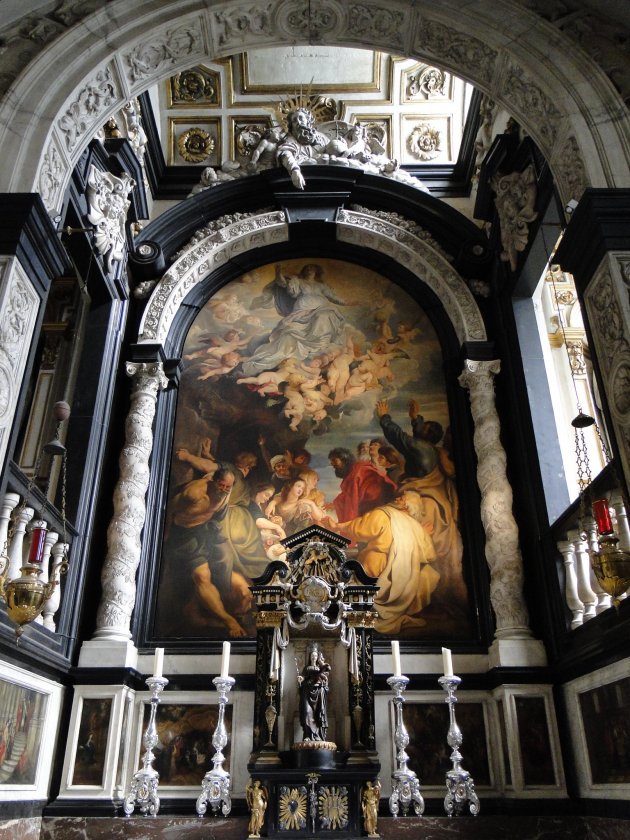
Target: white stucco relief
(607,302)
(524,63)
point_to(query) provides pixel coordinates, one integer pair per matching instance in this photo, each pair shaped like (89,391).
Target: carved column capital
(479,374)
(118,577)
(147,375)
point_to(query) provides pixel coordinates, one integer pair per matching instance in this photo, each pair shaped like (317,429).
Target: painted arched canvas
(312,392)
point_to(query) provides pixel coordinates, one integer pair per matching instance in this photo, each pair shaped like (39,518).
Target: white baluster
(9,503)
(50,540)
(51,606)
(567,549)
(604,601)
(621,515)
(24,516)
(583,569)
(623,528)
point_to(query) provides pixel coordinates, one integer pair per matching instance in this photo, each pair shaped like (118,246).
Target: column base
(108,653)
(517,653)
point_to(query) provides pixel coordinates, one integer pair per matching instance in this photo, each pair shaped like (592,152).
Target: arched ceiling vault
(539,75)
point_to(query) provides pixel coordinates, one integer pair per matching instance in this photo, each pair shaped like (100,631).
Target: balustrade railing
(584,596)
(20,525)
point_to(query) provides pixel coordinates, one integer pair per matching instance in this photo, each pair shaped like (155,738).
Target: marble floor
(407,828)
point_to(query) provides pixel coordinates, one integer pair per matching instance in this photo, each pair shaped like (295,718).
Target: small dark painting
(184,751)
(429,753)
(533,730)
(92,744)
(606,714)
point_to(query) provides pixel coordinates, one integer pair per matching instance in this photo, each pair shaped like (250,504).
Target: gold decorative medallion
(333,807)
(195,145)
(292,805)
(193,85)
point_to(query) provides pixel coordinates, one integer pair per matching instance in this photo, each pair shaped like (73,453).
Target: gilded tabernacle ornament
(257,799)
(292,808)
(333,807)
(370,797)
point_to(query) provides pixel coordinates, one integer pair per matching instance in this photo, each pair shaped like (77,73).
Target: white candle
(225,660)
(447,662)
(396,658)
(158,662)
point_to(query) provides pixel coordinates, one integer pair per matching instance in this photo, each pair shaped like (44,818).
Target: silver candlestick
(143,791)
(460,787)
(405,783)
(215,785)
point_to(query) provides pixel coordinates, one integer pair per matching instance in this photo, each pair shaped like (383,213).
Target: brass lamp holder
(26,595)
(611,567)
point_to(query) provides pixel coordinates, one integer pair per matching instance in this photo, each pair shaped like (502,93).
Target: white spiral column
(514,644)
(118,578)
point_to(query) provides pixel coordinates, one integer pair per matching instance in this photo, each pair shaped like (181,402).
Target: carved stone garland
(503,553)
(118,578)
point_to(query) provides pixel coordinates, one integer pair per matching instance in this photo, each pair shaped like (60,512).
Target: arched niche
(367,242)
(119,51)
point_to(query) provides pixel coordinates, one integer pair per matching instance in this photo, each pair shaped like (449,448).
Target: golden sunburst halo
(292,808)
(333,807)
(319,106)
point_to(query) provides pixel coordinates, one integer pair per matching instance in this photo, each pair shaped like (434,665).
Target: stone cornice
(599,224)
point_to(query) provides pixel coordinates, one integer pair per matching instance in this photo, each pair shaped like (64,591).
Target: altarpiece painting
(312,393)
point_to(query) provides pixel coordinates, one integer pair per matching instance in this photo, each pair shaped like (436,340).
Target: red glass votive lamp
(38,538)
(601,512)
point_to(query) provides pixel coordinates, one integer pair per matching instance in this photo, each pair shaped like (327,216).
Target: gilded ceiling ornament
(193,86)
(195,145)
(292,804)
(321,108)
(424,142)
(515,198)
